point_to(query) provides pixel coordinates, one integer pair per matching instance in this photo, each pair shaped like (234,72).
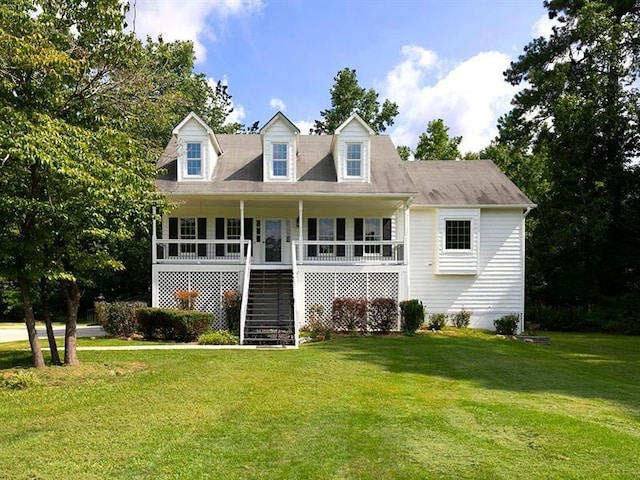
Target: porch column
(241,231)
(300,224)
(154,237)
(407,247)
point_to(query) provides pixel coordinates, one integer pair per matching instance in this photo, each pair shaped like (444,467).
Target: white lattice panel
(211,286)
(322,288)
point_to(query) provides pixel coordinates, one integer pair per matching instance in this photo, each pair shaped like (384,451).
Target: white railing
(383,252)
(245,293)
(188,251)
(294,264)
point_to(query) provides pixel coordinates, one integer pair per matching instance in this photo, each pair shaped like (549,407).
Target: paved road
(17,334)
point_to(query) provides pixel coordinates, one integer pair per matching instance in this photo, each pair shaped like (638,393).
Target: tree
(84,107)
(347,98)
(404,151)
(436,144)
(580,106)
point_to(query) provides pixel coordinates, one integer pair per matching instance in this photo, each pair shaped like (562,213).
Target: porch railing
(168,251)
(245,293)
(384,252)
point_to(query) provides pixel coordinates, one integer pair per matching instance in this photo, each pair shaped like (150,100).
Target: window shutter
(358,235)
(160,246)
(202,235)
(248,233)
(312,234)
(386,235)
(173,234)
(340,236)
(219,236)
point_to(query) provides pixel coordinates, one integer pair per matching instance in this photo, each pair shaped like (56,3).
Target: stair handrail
(294,265)
(245,292)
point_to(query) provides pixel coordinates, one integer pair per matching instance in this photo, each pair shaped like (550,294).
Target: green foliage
(232,303)
(20,380)
(437,321)
(436,144)
(461,319)
(347,97)
(507,324)
(171,324)
(350,313)
(121,319)
(404,151)
(383,314)
(412,314)
(218,337)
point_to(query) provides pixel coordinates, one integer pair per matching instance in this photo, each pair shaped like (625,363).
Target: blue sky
(436,59)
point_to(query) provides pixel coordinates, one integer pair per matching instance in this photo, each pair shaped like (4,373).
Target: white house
(293,220)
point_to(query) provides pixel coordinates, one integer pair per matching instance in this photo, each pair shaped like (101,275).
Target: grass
(431,406)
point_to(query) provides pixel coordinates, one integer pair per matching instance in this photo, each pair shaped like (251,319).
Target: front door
(273,241)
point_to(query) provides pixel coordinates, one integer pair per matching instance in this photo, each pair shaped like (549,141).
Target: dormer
(351,149)
(198,149)
(279,149)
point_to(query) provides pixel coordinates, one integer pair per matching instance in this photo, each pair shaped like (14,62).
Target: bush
(218,337)
(232,303)
(383,314)
(171,324)
(119,318)
(462,319)
(350,313)
(438,321)
(507,324)
(412,314)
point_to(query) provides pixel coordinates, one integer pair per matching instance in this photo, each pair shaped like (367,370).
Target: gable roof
(193,116)
(358,118)
(283,117)
(463,183)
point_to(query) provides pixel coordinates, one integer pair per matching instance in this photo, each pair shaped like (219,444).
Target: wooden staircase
(270,308)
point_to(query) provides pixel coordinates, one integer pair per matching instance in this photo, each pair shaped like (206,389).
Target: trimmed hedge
(173,324)
(350,313)
(383,314)
(118,318)
(412,312)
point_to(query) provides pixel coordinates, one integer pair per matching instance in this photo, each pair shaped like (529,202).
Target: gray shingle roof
(239,170)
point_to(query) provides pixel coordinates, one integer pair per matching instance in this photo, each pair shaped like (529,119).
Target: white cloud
(238,113)
(277,104)
(185,20)
(304,126)
(469,96)
(544,26)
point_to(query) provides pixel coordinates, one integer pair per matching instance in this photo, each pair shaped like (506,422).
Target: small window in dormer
(354,160)
(279,160)
(194,159)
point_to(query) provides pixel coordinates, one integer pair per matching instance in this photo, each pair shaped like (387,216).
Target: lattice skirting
(211,286)
(322,287)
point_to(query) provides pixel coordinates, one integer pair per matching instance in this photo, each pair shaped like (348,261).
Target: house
(293,221)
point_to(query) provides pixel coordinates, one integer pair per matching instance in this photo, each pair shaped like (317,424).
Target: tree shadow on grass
(15,359)
(588,366)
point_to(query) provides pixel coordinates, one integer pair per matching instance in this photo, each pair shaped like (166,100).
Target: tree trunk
(30,321)
(72,297)
(46,315)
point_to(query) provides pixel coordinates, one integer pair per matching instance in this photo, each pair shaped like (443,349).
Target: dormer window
(354,160)
(279,160)
(194,159)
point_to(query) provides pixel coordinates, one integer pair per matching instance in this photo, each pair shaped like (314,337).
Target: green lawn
(434,406)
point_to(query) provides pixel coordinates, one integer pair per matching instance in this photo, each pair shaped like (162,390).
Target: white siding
(454,262)
(353,132)
(279,132)
(497,288)
(194,131)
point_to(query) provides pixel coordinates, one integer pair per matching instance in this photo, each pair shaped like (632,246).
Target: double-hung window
(372,233)
(194,159)
(233,233)
(279,161)
(188,232)
(457,235)
(326,233)
(354,160)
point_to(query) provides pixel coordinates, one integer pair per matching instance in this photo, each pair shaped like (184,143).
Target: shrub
(218,337)
(119,319)
(232,303)
(437,321)
(507,324)
(383,314)
(412,313)
(186,299)
(171,324)
(350,313)
(462,319)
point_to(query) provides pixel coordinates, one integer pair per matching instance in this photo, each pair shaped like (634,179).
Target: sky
(435,59)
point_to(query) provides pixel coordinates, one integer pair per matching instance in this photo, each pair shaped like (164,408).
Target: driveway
(17,334)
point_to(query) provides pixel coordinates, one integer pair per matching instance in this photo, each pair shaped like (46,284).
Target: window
(233,233)
(188,232)
(354,160)
(372,233)
(279,159)
(194,159)
(326,233)
(458,235)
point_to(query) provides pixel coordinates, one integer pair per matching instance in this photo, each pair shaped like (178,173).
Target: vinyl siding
(279,132)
